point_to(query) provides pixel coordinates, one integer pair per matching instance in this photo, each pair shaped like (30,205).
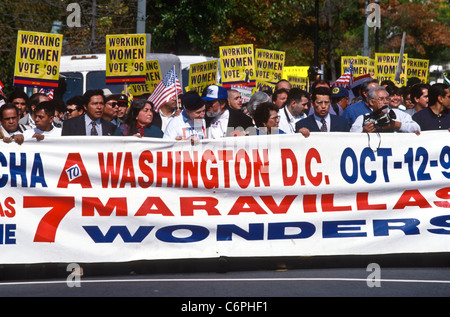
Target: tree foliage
(14,16)
(98,18)
(201,26)
(279,25)
(427,30)
(184,26)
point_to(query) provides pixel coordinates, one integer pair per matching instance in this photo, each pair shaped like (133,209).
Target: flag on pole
(168,88)
(346,79)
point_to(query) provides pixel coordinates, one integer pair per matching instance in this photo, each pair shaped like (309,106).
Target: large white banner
(110,199)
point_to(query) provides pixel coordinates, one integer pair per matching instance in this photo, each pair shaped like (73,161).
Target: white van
(187,60)
(79,73)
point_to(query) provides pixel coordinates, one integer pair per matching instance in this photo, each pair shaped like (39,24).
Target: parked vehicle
(79,73)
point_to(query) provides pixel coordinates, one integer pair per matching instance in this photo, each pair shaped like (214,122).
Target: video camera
(380,118)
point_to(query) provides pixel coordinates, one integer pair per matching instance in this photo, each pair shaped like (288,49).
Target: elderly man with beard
(378,99)
(222,118)
(217,114)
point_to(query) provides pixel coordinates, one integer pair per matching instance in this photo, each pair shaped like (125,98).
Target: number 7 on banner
(60,206)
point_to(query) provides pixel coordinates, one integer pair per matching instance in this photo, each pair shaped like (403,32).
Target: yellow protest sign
(386,66)
(345,63)
(371,67)
(418,68)
(361,65)
(201,75)
(237,65)
(297,76)
(37,59)
(298,71)
(263,85)
(152,79)
(269,65)
(125,58)
(299,82)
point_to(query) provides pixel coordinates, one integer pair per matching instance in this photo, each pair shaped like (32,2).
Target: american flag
(1,89)
(359,80)
(168,87)
(346,79)
(48,92)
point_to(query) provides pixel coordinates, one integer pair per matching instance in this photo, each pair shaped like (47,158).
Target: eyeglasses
(383,98)
(113,104)
(275,118)
(70,110)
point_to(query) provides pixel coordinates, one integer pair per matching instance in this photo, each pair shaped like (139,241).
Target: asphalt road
(229,282)
(428,282)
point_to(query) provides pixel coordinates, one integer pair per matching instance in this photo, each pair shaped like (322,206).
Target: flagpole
(400,59)
(175,87)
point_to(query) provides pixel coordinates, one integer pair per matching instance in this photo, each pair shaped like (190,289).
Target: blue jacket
(353,111)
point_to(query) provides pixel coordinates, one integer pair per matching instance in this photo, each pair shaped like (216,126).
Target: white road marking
(293,279)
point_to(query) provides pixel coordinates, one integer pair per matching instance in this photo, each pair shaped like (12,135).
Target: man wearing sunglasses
(74,107)
(111,110)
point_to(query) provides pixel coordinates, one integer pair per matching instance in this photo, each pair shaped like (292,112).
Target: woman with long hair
(138,121)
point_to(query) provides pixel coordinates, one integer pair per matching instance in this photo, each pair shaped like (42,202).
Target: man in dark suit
(321,120)
(91,122)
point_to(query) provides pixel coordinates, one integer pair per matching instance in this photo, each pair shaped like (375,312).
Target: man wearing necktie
(321,120)
(94,129)
(91,122)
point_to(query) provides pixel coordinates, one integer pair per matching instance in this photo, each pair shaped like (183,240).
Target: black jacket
(77,126)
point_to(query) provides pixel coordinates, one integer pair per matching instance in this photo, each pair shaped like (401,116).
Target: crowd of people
(219,112)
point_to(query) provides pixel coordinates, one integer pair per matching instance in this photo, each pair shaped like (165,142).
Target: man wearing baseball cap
(122,103)
(217,114)
(190,125)
(339,100)
(222,119)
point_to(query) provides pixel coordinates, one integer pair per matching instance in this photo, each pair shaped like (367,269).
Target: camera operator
(383,118)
